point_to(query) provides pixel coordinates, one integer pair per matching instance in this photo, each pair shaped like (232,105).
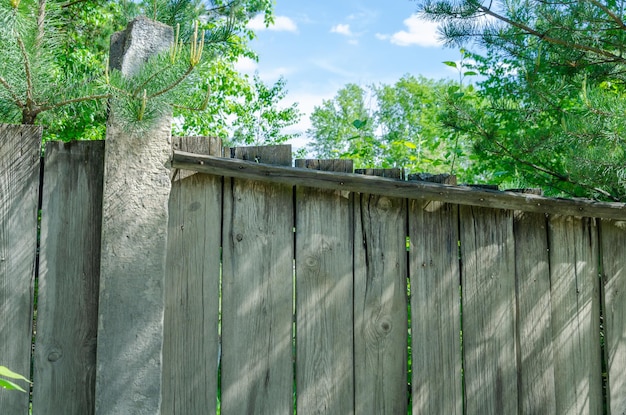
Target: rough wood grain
(613,246)
(488,282)
(396,188)
(257,284)
(575,315)
(278,155)
(19,189)
(192,289)
(380,303)
(324,298)
(534,305)
(435,308)
(211,146)
(69,275)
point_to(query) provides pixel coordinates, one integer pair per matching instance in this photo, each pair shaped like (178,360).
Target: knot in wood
(312,262)
(55,355)
(384,204)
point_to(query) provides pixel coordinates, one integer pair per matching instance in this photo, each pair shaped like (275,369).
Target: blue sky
(319,46)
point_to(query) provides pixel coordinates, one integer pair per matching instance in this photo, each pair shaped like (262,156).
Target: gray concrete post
(134,240)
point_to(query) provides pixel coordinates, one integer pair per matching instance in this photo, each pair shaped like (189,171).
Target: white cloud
(329,67)
(246,65)
(281,24)
(272,75)
(419,33)
(342,29)
(249,66)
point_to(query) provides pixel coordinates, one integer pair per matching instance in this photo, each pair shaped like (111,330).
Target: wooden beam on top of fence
(575,314)
(19,195)
(134,240)
(257,292)
(534,314)
(435,308)
(69,279)
(488,300)
(324,297)
(211,146)
(192,288)
(613,243)
(395,188)
(380,302)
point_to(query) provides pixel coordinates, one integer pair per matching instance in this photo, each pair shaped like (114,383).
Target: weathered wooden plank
(324,298)
(198,145)
(575,314)
(19,189)
(380,303)
(488,282)
(69,276)
(396,188)
(435,308)
(257,286)
(534,329)
(192,289)
(613,243)
(278,155)
(134,241)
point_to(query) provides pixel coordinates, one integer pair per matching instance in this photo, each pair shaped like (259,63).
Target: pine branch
(73,101)
(612,15)
(202,107)
(41,18)
(72,3)
(553,40)
(16,99)
(506,152)
(173,84)
(29,79)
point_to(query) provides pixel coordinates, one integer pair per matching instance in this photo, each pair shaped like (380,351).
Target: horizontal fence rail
(474,196)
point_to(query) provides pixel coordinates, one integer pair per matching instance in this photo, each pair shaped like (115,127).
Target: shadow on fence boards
(305,289)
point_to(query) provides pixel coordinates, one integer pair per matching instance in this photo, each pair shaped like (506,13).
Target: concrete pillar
(134,238)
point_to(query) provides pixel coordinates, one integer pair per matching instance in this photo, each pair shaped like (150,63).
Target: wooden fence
(314,290)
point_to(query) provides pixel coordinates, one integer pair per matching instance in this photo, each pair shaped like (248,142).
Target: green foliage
(548,110)
(58,78)
(259,121)
(400,128)
(6,374)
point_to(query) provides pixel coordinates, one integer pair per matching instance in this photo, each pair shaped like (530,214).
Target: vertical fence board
(535,355)
(257,367)
(191,342)
(19,188)
(435,308)
(69,275)
(380,304)
(324,297)
(488,281)
(575,314)
(613,245)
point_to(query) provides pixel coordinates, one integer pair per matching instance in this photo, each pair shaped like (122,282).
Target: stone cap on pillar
(142,39)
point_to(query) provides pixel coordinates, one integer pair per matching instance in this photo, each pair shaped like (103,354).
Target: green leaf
(8,373)
(410,145)
(359,124)
(470,73)
(7,384)
(452,64)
